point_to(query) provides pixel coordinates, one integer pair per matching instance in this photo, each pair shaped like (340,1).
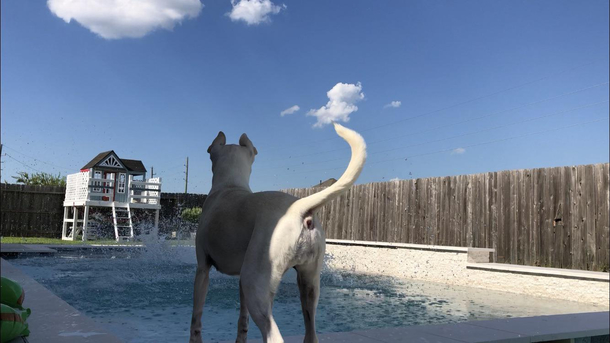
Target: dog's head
(232,155)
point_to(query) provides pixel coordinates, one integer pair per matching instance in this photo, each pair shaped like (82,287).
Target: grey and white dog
(259,236)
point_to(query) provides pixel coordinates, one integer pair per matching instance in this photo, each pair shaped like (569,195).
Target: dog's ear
(221,139)
(245,141)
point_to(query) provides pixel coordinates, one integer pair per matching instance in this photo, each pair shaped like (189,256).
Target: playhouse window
(97,175)
(121,183)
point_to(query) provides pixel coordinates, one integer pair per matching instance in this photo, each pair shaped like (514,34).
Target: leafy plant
(40,179)
(191,214)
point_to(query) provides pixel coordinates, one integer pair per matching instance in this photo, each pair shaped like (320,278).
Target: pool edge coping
(518,330)
(64,314)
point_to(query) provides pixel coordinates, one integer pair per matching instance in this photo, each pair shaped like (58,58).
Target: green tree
(40,179)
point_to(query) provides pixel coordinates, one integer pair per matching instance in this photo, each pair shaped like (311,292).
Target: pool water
(147,297)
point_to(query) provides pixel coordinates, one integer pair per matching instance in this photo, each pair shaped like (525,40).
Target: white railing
(77,187)
(82,187)
(145,192)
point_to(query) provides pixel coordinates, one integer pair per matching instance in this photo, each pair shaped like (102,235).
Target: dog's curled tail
(317,200)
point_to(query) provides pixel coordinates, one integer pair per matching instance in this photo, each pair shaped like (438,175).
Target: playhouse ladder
(121,216)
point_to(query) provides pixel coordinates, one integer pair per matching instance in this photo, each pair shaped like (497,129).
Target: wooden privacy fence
(173,203)
(37,211)
(552,217)
(31,211)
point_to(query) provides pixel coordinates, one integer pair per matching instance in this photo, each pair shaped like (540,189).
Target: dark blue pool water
(146,297)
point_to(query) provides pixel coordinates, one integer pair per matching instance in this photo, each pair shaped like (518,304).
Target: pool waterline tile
(403,335)
(464,332)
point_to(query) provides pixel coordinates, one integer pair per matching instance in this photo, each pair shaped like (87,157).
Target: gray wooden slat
(469,202)
(565,220)
(576,244)
(590,209)
(602,226)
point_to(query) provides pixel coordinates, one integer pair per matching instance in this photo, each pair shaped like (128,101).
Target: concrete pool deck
(593,327)
(470,267)
(53,320)
(15,249)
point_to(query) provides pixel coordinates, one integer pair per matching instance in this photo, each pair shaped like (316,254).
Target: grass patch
(56,241)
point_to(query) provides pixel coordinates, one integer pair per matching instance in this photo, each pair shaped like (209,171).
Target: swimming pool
(146,297)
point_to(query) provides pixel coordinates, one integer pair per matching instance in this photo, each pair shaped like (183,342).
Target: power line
(495,141)
(467,146)
(36,159)
(460,122)
(166,171)
(464,121)
(427,113)
(495,127)
(457,136)
(527,83)
(24,164)
(504,111)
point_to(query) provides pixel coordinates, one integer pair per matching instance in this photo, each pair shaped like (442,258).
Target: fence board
(590,209)
(566,217)
(602,237)
(556,217)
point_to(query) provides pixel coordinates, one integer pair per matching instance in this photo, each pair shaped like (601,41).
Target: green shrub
(191,214)
(40,179)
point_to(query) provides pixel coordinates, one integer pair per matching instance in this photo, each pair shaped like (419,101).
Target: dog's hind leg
(244,318)
(308,279)
(200,290)
(259,290)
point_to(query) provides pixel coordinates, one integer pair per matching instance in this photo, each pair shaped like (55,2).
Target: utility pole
(152,172)
(186,183)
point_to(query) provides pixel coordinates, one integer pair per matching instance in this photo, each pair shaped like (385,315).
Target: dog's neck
(230,176)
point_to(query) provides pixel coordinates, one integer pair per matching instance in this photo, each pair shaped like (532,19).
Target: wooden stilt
(85,222)
(74,232)
(64,227)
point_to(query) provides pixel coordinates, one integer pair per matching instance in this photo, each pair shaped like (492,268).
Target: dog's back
(228,221)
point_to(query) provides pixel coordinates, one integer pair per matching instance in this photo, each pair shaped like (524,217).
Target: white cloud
(394,104)
(290,110)
(458,151)
(396,179)
(341,103)
(114,19)
(253,12)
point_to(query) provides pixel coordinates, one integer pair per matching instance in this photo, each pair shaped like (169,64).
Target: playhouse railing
(82,187)
(145,192)
(77,187)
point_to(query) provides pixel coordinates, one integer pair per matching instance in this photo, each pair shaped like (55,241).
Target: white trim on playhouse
(108,181)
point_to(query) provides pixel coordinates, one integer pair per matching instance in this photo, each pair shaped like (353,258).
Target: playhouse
(109,181)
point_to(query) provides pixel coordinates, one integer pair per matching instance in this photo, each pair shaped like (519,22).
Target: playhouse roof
(134,165)
(131,165)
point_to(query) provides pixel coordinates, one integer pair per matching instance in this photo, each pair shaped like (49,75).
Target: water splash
(146,296)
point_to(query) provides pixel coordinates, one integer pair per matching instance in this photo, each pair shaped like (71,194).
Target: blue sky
(482,85)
